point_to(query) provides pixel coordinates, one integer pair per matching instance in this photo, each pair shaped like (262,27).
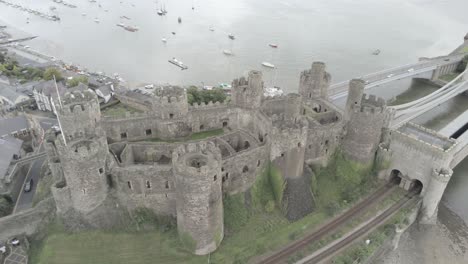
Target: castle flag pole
(58,118)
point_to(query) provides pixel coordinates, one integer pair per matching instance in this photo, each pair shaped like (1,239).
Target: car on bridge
(411,70)
(390,75)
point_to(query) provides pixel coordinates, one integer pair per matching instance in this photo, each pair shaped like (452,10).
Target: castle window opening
(310,95)
(202,127)
(215,177)
(310,146)
(225,123)
(101,170)
(223,179)
(282,154)
(84,191)
(326,142)
(129,184)
(245,89)
(303,111)
(167,184)
(246,145)
(222,168)
(227,175)
(258,163)
(245,169)
(148,184)
(171,116)
(123,135)
(166,195)
(299,145)
(148,132)
(260,137)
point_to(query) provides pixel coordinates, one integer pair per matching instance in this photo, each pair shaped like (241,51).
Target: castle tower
(83,156)
(433,194)
(355,93)
(364,129)
(248,93)
(170,103)
(314,83)
(199,202)
(79,114)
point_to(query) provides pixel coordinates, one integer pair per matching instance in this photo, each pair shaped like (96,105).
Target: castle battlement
(197,158)
(78,97)
(209,105)
(442,175)
(373,100)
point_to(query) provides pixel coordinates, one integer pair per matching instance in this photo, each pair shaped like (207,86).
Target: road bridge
(430,69)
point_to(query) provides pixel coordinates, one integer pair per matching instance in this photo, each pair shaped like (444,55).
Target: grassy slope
(251,228)
(119,110)
(194,136)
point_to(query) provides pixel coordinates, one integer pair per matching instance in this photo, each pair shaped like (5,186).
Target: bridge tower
(83,154)
(314,82)
(248,93)
(199,202)
(367,118)
(434,191)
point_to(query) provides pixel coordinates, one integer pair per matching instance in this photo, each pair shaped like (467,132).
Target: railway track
(361,231)
(328,227)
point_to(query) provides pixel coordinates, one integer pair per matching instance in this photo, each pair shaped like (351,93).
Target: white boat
(211,28)
(227,52)
(120,25)
(83,14)
(96,20)
(268,65)
(164,40)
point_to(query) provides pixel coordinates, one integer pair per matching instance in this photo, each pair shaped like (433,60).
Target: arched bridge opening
(395,177)
(416,187)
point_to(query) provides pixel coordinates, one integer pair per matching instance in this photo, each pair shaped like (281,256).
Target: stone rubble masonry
(197,170)
(109,166)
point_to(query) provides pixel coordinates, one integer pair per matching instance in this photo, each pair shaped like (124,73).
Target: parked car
(390,75)
(28,186)
(15,242)
(411,70)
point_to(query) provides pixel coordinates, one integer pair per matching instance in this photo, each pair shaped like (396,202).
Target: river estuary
(343,33)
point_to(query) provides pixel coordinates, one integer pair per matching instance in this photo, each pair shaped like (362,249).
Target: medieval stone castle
(104,163)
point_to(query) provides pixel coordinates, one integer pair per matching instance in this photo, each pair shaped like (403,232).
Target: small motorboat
(376,52)
(120,25)
(179,20)
(211,29)
(179,64)
(268,65)
(173,33)
(96,20)
(228,52)
(164,40)
(273,45)
(160,12)
(130,28)
(231,36)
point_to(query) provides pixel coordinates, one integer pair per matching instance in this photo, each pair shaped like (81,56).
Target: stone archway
(395,176)
(416,186)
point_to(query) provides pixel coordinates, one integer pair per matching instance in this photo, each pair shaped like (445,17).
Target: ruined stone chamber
(197,171)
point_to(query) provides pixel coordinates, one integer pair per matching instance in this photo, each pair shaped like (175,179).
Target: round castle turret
(170,102)
(199,204)
(314,82)
(355,93)
(79,113)
(364,129)
(248,93)
(83,153)
(433,193)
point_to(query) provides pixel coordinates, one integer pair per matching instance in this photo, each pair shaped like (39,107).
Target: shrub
(77,80)
(194,95)
(50,73)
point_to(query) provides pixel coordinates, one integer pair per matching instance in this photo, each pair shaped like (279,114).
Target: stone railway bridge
(416,156)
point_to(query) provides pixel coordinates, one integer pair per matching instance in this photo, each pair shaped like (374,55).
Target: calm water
(343,33)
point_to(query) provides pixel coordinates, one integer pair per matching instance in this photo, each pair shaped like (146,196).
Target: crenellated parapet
(314,83)
(199,203)
(169,102)
(248,92)
(209,105)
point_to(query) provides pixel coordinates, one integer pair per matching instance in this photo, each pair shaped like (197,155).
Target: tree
(194,95)
(2,58)
(77,80)
(6,205)
(462,65)
(50,73)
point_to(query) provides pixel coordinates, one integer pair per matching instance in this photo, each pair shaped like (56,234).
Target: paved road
(25,199)
(338,90)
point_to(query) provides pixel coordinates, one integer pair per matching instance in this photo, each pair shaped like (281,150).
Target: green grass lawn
(119,110)
(464,50)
